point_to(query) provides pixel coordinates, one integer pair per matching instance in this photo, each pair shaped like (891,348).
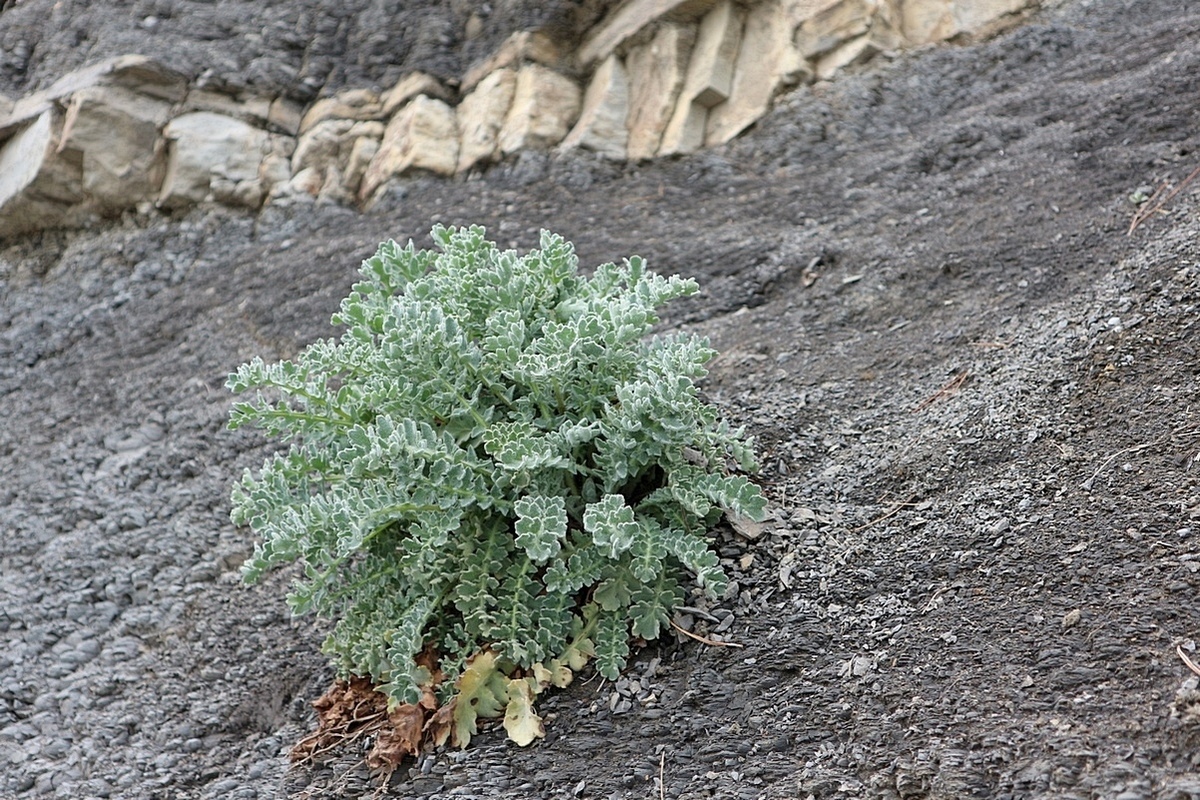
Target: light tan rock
(38,188)
(275,170)
(276,167)
(6,105)
(328,147)
(856,51)
(545,105)
(321,144)
(305,182)
(481,116)
(284,116)
(710,70)
(709,78)
(976,16)
(629,18)
(849,32)
(210,157)
(523,47)
(114,133)
(409,87)
(356,104)
(601,126)
(834,26)
(422,136)
(361,153)
(656,73)
(925,21)
(474,28)
(768,62)
(253,110)
(331,187)
(136,73)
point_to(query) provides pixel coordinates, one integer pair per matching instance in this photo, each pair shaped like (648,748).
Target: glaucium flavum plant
(494,476)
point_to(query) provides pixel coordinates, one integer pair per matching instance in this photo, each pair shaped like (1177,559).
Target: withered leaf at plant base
(347,710)
(522,724)
(481,693)
(554,673)
(441,724)
(399,738)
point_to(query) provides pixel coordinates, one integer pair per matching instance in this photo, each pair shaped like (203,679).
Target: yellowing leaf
(481,693)
(522,724)
(555,673)
(577,654)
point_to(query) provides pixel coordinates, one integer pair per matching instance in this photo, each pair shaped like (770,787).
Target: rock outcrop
(653,78)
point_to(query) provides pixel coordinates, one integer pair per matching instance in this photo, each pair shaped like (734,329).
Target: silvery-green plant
(495,458)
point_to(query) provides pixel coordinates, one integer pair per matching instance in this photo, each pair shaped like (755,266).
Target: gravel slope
(975,397)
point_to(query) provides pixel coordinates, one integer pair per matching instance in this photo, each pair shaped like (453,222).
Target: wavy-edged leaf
(611,643)
(611,524)
(651,607)
(541,525)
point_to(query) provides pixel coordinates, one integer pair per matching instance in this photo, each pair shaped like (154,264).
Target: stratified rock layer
(662,77)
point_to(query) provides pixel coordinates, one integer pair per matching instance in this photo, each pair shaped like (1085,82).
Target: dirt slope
(974,394)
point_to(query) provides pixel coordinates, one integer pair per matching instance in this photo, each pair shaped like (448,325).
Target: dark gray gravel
(974,396)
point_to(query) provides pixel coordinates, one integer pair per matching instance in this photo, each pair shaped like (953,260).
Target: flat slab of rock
(602,122)
(212,156)
(545,106)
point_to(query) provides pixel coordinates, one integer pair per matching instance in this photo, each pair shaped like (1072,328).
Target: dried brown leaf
(399,738)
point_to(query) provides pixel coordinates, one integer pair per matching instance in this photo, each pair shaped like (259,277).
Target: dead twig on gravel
(662,768)
(950,387)
(1190,664)
(1158,201)
(1087,485)
(891,512)
(702,640)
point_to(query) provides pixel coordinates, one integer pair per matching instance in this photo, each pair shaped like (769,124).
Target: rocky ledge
(652,78)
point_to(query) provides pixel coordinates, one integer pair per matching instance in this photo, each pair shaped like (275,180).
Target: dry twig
(891,512)
(1191,664)
(702,640)
(662,784)
(1156,203)
(950,387)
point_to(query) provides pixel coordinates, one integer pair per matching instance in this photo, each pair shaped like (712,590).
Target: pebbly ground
(976,398)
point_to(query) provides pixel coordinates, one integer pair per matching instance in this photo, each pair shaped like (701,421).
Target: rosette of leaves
(494,475)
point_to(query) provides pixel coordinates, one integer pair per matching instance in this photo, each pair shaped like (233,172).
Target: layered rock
(602,120)
(87,146)
(662,77)
(422,136)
